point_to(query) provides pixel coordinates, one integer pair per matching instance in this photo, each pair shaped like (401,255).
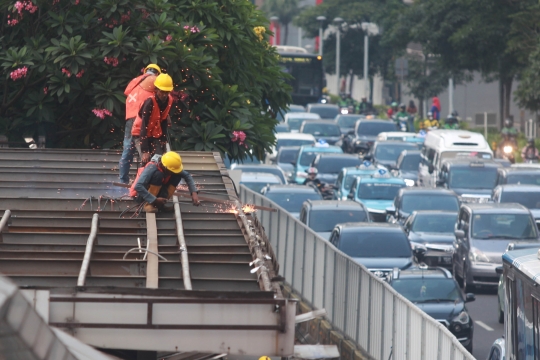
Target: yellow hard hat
(264,358)
(153,66)
(164,82)
(172,161)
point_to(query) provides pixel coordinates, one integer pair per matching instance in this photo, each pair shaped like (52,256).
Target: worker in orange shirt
(137,91)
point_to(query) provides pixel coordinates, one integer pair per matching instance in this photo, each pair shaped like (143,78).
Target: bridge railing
(364,308)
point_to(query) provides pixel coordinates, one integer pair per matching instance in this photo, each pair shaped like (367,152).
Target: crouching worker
(157,182)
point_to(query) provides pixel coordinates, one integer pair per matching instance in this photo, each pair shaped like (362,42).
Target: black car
(520,176)
(433,231)
(386,153)
(325,111)
(286,160)
(379,247)
(473,180)
(320,129)
(435,292)
(329,165)
(364,135)
(411,199)
(270,169)
(407,166)
(346,122)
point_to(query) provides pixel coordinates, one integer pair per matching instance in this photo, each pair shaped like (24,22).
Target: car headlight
(301,174)
(476,255)
(462,318)
(409,182)
(508,149)
(344,111)
(358,142)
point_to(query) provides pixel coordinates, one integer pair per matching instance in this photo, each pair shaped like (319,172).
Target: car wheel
(501,312)
(456,276)
(467,286)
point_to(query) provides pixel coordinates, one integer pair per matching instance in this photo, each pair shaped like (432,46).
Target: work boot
(154,190)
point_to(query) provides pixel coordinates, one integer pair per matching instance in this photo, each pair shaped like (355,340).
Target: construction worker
(158,181)
(137,91)
(150,126)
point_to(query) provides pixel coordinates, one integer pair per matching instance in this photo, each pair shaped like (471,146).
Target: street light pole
(338,22)
(366,57)
(321,20)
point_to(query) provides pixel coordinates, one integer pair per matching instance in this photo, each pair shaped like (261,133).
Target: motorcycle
(344,110)
(507,148)
(403,122)
(326,190)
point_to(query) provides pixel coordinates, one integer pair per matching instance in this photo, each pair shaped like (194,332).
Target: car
(269,169)
(472,179)
(325,111)
(364,135)
(305,157)
(329,165)
(282,128)
(379,247)
(288,139)
(386,153)
(257,181)
(442,145)
(520,176)
(498,350)
(292,109)
(433,231)
(323,215)
(320,129)
(248,160)
(526,195)
(347,175)
(346,122)
(294,120)
(286,160)
(414,199)
(376,192)
(407,166)
(483,233)
(291,197)
(434,291)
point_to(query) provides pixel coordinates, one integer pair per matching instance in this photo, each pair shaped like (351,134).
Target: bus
(521,277)
(307,73)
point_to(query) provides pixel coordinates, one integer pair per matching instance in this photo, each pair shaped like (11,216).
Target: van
(441,145)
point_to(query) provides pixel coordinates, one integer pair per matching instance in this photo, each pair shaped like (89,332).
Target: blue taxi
(348,175)
(307,154)
(376,192)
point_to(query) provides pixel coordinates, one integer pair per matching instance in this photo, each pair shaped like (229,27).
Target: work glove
(159,202)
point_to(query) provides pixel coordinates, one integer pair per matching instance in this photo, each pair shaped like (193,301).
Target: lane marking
(482,324)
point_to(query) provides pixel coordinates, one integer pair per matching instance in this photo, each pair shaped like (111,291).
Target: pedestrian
(436,108)
(157,182)
(411,109)
(137,91)
(150,126)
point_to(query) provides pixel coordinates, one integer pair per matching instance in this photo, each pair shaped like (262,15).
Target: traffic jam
(430,213)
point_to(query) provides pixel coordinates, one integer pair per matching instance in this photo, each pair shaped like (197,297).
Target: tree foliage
(67,63)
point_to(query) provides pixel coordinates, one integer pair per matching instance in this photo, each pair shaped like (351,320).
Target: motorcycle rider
(322,188)
(430,123)
(509,129)
(451,122)
(402,118)
(364,107)
(530,152)
(392,110)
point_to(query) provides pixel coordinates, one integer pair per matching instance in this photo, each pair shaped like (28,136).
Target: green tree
(285,10)
(67,63)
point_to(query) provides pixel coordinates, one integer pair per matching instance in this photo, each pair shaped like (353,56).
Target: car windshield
(391,152)
(347,121)
(347,183)
(374,244)
(266,170)
(529,199)
(258,185)
(319,129)
(287,156)
(417,202)
(292,202)
(410,162)
(295,122)
(424,289)
(326,220)
(503,226)
(325,112)
(465,154)
(375,128)
(292,142)
(378,191)
(333,165)
(307,157)
(434,223)
(523,179)
(472,178)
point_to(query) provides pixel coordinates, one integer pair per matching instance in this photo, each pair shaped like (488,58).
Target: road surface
(486,326)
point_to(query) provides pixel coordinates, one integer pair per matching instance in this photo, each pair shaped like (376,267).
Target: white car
(257,181)
(294,120)
(395,135)
(289,139)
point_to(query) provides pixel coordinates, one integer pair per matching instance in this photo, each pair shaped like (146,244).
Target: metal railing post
(88,251)
(5,219)
(186,275)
